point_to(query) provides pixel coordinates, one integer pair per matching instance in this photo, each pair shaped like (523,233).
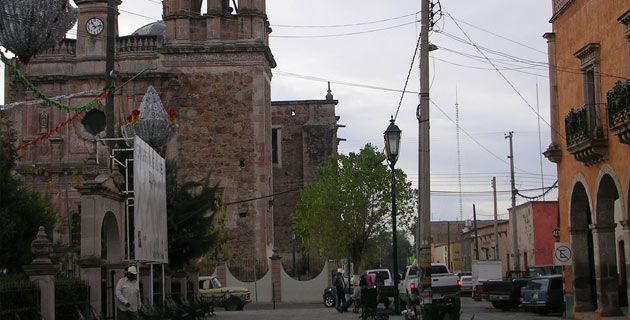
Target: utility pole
(424,180)
(110,56)
(476,235)
(448,244)
(517,259)
(496,227)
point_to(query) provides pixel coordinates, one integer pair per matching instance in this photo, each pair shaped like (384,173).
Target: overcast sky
(311,48)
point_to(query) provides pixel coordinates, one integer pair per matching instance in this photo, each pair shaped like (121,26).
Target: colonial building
(536,222)
(213,66)
(479,244)
(589,51)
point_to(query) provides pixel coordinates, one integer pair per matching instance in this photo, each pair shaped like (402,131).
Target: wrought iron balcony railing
(619,110)
(585,140)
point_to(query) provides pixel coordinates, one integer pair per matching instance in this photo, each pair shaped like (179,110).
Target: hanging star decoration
(29,27)
(150,122)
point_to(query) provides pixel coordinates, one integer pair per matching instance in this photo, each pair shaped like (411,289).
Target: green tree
(195,220)
(22,210)
(347,212)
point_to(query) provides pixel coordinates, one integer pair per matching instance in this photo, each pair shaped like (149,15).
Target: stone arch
(581,236)
(607,196)
(111,248)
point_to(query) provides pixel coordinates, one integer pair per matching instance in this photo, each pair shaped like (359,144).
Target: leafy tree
(404,250)
(195,220)
(347,212)
(22,210)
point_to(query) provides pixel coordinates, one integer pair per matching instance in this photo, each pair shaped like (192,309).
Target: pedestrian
(340,287)
(354,298)
(127,295)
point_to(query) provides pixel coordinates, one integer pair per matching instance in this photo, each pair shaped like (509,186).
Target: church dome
(157,28)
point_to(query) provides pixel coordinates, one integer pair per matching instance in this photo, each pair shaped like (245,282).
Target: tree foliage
(347,212)
(22,210)
(195,220)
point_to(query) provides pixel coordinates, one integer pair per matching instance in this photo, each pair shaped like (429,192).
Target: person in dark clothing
(340,287)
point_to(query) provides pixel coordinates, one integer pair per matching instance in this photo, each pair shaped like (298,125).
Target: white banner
(562,254)
(149,214)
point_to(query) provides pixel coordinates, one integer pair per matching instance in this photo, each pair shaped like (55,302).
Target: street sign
(556,233)
(562,254)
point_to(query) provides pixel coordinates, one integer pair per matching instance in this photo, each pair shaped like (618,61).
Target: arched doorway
(111,253)
(583,259)
(606,258)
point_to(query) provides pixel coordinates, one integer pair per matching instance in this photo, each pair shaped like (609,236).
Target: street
(470,308)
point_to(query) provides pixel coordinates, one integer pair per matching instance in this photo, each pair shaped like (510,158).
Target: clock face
(94,26)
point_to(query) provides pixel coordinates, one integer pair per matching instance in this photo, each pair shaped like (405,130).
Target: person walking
(128,295)
(340,287)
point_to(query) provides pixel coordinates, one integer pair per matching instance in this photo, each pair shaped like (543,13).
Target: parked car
(235,298)
(544,294)
(467,284)
(463,273)
(330,297)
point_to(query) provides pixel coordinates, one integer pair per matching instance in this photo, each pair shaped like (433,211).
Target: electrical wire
(413,59)
(344,25)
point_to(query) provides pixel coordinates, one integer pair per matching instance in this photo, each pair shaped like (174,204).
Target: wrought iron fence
(303,267)
(19,299)
(71,295)
(248,270)
(576,124)
(618,103)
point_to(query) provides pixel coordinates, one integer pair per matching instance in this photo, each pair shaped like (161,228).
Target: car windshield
(537,284)
(438,269)
(466,278)
(413,271)
(381,274)
(216,283)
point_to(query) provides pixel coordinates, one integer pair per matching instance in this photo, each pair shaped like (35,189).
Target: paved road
(480,310)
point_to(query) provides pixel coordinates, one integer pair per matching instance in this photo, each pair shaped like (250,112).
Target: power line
(415,52)
(344,25)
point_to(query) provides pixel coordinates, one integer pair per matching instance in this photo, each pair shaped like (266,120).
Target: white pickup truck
(444,285)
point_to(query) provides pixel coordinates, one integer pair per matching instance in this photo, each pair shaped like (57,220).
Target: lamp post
(392,148)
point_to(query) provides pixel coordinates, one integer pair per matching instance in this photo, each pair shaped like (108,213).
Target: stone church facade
(214,67)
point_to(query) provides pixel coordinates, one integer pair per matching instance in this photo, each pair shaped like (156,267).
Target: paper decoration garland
(16,72)
(45,135)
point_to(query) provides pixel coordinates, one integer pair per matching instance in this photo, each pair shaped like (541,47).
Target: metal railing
(71,295)
(19,299)
(618,107)
(576,124)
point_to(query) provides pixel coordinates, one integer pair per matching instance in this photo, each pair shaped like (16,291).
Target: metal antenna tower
(459,158)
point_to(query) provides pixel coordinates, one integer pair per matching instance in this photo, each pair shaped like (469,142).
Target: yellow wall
(584,22)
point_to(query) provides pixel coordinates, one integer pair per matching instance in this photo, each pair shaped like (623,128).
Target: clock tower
(92,28)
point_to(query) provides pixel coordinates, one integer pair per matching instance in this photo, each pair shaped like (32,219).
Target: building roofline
(291,102)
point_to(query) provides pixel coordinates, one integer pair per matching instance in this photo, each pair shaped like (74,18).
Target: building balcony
(619,110)
(585,141)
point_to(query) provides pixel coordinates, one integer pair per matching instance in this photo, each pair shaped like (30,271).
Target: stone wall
(307,136)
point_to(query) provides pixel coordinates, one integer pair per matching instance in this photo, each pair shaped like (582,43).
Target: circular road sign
(563,253)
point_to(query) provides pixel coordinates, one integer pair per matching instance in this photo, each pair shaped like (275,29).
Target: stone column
(42,272)
(606,270)
(91,273)
(276,264)
(194,276)
(626,248)
(553,152)
(581,272)
(180,280)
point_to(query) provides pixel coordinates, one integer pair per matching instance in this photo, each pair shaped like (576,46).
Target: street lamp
(392,148)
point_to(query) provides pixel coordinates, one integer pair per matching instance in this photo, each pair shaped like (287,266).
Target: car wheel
(329,300)
(232,305)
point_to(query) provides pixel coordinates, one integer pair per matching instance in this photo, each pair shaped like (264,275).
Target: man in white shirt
(128,295)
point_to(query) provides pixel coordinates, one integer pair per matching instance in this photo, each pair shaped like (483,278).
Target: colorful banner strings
(18,75)
(45,135)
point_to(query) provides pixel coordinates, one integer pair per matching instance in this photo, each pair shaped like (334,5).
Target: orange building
(589,53)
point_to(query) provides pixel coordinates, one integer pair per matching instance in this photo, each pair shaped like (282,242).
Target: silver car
(467,284)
